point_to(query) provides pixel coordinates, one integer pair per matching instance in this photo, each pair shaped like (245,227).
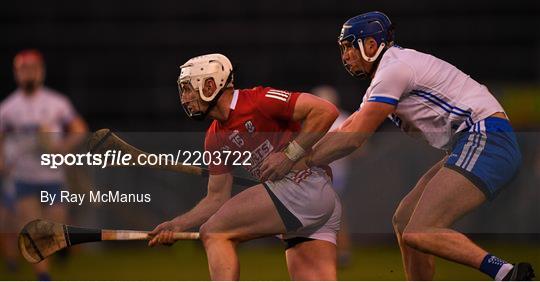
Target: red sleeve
(277,104)
(212,144)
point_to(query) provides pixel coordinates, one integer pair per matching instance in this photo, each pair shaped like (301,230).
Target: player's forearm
(351,134)
(315,126)
(334,146)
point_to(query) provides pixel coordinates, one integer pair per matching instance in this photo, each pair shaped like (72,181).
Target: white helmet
(198,69)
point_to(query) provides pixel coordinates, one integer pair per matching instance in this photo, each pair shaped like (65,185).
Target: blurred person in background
(34,120)
(340,174)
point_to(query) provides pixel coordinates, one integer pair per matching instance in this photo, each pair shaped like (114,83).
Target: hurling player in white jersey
(35,120)
(432,100)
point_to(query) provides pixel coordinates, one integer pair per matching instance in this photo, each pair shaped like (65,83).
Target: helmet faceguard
(373,24)
(358,73)
(195,72)
(189,97)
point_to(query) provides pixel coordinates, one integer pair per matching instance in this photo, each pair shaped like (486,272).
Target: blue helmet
(371,24)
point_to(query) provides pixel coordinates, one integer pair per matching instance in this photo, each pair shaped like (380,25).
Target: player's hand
(275,167)
(163,234)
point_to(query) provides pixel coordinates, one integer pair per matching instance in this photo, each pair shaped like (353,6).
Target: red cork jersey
(260,121)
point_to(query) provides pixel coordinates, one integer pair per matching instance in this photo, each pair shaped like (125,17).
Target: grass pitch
(187,261)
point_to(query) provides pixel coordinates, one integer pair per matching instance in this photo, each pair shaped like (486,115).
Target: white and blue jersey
(22,118)
(438,103)
(433,99)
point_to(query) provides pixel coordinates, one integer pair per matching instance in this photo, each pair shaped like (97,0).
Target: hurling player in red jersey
(302,208)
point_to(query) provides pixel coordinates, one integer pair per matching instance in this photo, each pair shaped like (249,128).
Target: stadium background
(118,63)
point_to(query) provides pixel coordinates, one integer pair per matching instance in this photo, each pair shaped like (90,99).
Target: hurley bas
(93,197)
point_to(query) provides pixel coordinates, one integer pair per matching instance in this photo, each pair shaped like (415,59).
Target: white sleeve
(390,83)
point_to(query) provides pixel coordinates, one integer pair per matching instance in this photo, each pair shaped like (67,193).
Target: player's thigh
(250,214)
(312,260)
(446,198)
(407,205)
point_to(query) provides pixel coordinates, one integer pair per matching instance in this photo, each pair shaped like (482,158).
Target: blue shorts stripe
(475,146)
(482,139)
(470,148)
(464,151)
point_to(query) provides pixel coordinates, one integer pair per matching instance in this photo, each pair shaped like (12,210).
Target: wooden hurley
(42,238)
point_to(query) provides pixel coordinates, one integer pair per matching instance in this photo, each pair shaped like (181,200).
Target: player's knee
(206,234)
(209,234)
(399,221)
(413,238)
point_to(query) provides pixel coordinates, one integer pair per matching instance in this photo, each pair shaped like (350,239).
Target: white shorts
(307,204)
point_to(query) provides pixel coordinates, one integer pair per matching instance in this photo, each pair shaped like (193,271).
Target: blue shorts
(25,189)
(487,154)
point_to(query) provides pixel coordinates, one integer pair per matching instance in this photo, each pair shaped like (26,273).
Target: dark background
(118,60)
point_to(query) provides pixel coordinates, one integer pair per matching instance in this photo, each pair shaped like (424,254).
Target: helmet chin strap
(200,115)
(370,59)
(375,59)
